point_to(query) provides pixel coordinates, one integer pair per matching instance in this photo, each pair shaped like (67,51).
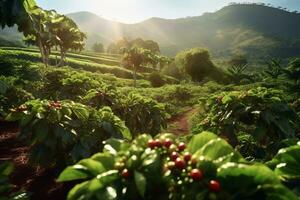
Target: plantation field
(134,124)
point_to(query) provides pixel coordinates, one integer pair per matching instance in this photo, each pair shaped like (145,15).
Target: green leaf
(92,188)
(199,140)
(106,159)
(219,151)
(287,163)
(81,112)
(6,168)
(113,145)
(252,180)
(14,116)
(85,190)
(140,182)
(75,172)
(93,166)
(108,177)
(126,133)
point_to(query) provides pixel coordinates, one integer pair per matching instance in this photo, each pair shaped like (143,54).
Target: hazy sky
(130,11)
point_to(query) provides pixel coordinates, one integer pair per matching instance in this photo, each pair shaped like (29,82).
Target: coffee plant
(165,167)
(142,115)
(11,95)
(53,127)
(250,119)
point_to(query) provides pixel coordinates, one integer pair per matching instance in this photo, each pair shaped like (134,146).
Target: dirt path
(179,124)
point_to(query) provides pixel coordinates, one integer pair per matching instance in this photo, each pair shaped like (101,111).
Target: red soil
(179,124)
(38,182)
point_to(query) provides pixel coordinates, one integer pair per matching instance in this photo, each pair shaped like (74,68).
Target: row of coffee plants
(258,121)
(52,127)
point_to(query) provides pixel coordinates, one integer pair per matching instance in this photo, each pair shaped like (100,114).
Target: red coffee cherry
(180,164)
(125,173)
(181,146)
(214,186)
(196,175)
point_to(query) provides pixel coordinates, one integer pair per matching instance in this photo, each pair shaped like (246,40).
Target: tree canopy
(44,28)
(138,42)
(98,47)
(196,63)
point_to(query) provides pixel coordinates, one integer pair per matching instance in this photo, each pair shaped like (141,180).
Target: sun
(118,10)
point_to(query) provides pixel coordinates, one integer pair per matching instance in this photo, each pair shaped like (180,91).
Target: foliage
(6,188)
(50,29)
(51,128)
(196,63)
(142,115)
(11,96)
(172,70)
(286,163)
(262,113)
(166,168)
(134,57)
(293,69)
(274,68)
(98,47)
(75,63)
(156,79)
(150,45)
(16,12)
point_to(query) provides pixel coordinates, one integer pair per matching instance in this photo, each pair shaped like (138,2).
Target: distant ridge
(255,30)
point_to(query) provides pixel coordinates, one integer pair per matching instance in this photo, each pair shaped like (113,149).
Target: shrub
(142,115)
(173,71)
(64,132)
(196,63)
(11,96)
(156,79)
(262,113)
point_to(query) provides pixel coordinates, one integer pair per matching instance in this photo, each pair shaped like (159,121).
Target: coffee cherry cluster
(182,162)
(21,108)
(120,166)
(55,105)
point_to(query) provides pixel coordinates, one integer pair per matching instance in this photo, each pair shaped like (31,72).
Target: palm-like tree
(293,70)
(274,68)
(135,57)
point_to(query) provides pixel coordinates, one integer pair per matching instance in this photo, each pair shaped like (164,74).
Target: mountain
(255,30)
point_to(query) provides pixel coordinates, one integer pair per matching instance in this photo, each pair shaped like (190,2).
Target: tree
(274,68)
(98,47)
(50,29)
(150,45)
(46,29)
(293,70)
(113,49)
(70,37)
(237,68)
(134,56)
(238,60)
(196,63)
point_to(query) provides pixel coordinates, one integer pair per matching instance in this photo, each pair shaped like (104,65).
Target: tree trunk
(134,76)
(62,57)
(42,51)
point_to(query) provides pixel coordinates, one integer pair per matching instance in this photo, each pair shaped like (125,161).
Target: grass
(84,63)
